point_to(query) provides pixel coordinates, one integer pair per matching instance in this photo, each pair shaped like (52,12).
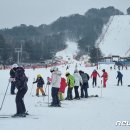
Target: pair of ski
(11,116)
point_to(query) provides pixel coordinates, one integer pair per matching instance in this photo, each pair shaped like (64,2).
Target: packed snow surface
(86,114)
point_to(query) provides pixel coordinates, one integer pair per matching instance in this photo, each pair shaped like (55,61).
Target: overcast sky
(36,12)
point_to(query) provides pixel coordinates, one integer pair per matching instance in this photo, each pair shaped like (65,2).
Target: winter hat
(14,66)
(38,76)
(81,72)
(67,74)
(103,70)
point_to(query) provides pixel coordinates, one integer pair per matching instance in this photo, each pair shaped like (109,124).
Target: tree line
(42,42)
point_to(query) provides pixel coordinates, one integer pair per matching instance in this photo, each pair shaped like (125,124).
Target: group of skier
(58,84)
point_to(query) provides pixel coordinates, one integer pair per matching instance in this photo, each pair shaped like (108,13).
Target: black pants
(94,81)
(55,99)
(20,102)
(12,87)
(119,81)
(84,90)
(76,91)
(69,93)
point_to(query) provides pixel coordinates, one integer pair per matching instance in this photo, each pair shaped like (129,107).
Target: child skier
(40,83)
(63,85)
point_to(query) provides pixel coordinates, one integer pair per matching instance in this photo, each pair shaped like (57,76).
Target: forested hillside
(42,42)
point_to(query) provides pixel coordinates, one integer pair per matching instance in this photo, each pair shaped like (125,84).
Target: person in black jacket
(12,75)
(40,83)
(21,85)
(119,77)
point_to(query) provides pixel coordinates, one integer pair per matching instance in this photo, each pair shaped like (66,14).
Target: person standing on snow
(63,85)
(119,77)
(21,85)
(40,83)
(105,77)
(94,76)
(12,75)
(85,85)
(56,79)
(78,81)
(70,84)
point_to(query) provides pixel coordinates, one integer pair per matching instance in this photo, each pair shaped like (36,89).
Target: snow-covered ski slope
(69,52)
(117,37)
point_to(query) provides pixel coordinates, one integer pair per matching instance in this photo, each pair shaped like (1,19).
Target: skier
(56,79)
(110,67)
(40,83)
(84,87)
(78,81)
(49,80)
(119,77)
(21,85)
(70,84)
(67,67)
(12,75)
(63,85)
(105,77)
(94,76)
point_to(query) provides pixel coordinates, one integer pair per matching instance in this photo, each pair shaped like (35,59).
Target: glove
(11,79)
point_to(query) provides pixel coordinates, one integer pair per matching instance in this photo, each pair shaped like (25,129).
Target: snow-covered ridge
(117,38)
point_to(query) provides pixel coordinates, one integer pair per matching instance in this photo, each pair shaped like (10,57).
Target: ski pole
(45,91)
(101,87)
(32,86)
(4,97)
(48,95)
(45,88)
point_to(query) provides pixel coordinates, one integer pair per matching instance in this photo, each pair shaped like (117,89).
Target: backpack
(85,77)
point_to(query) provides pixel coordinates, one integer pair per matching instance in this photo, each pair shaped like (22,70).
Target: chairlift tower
(18,51)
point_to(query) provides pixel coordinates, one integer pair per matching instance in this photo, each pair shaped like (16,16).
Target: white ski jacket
(56,79)
(78,79)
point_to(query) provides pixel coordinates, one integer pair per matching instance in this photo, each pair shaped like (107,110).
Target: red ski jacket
(105,75)
(63,85)
(94,74)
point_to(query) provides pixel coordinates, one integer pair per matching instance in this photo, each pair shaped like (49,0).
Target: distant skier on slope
(119,77)
(94,76)
(105,77)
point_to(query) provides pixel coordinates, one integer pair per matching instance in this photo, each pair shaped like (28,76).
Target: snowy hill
(117,38)
(69,52)
(100,113)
